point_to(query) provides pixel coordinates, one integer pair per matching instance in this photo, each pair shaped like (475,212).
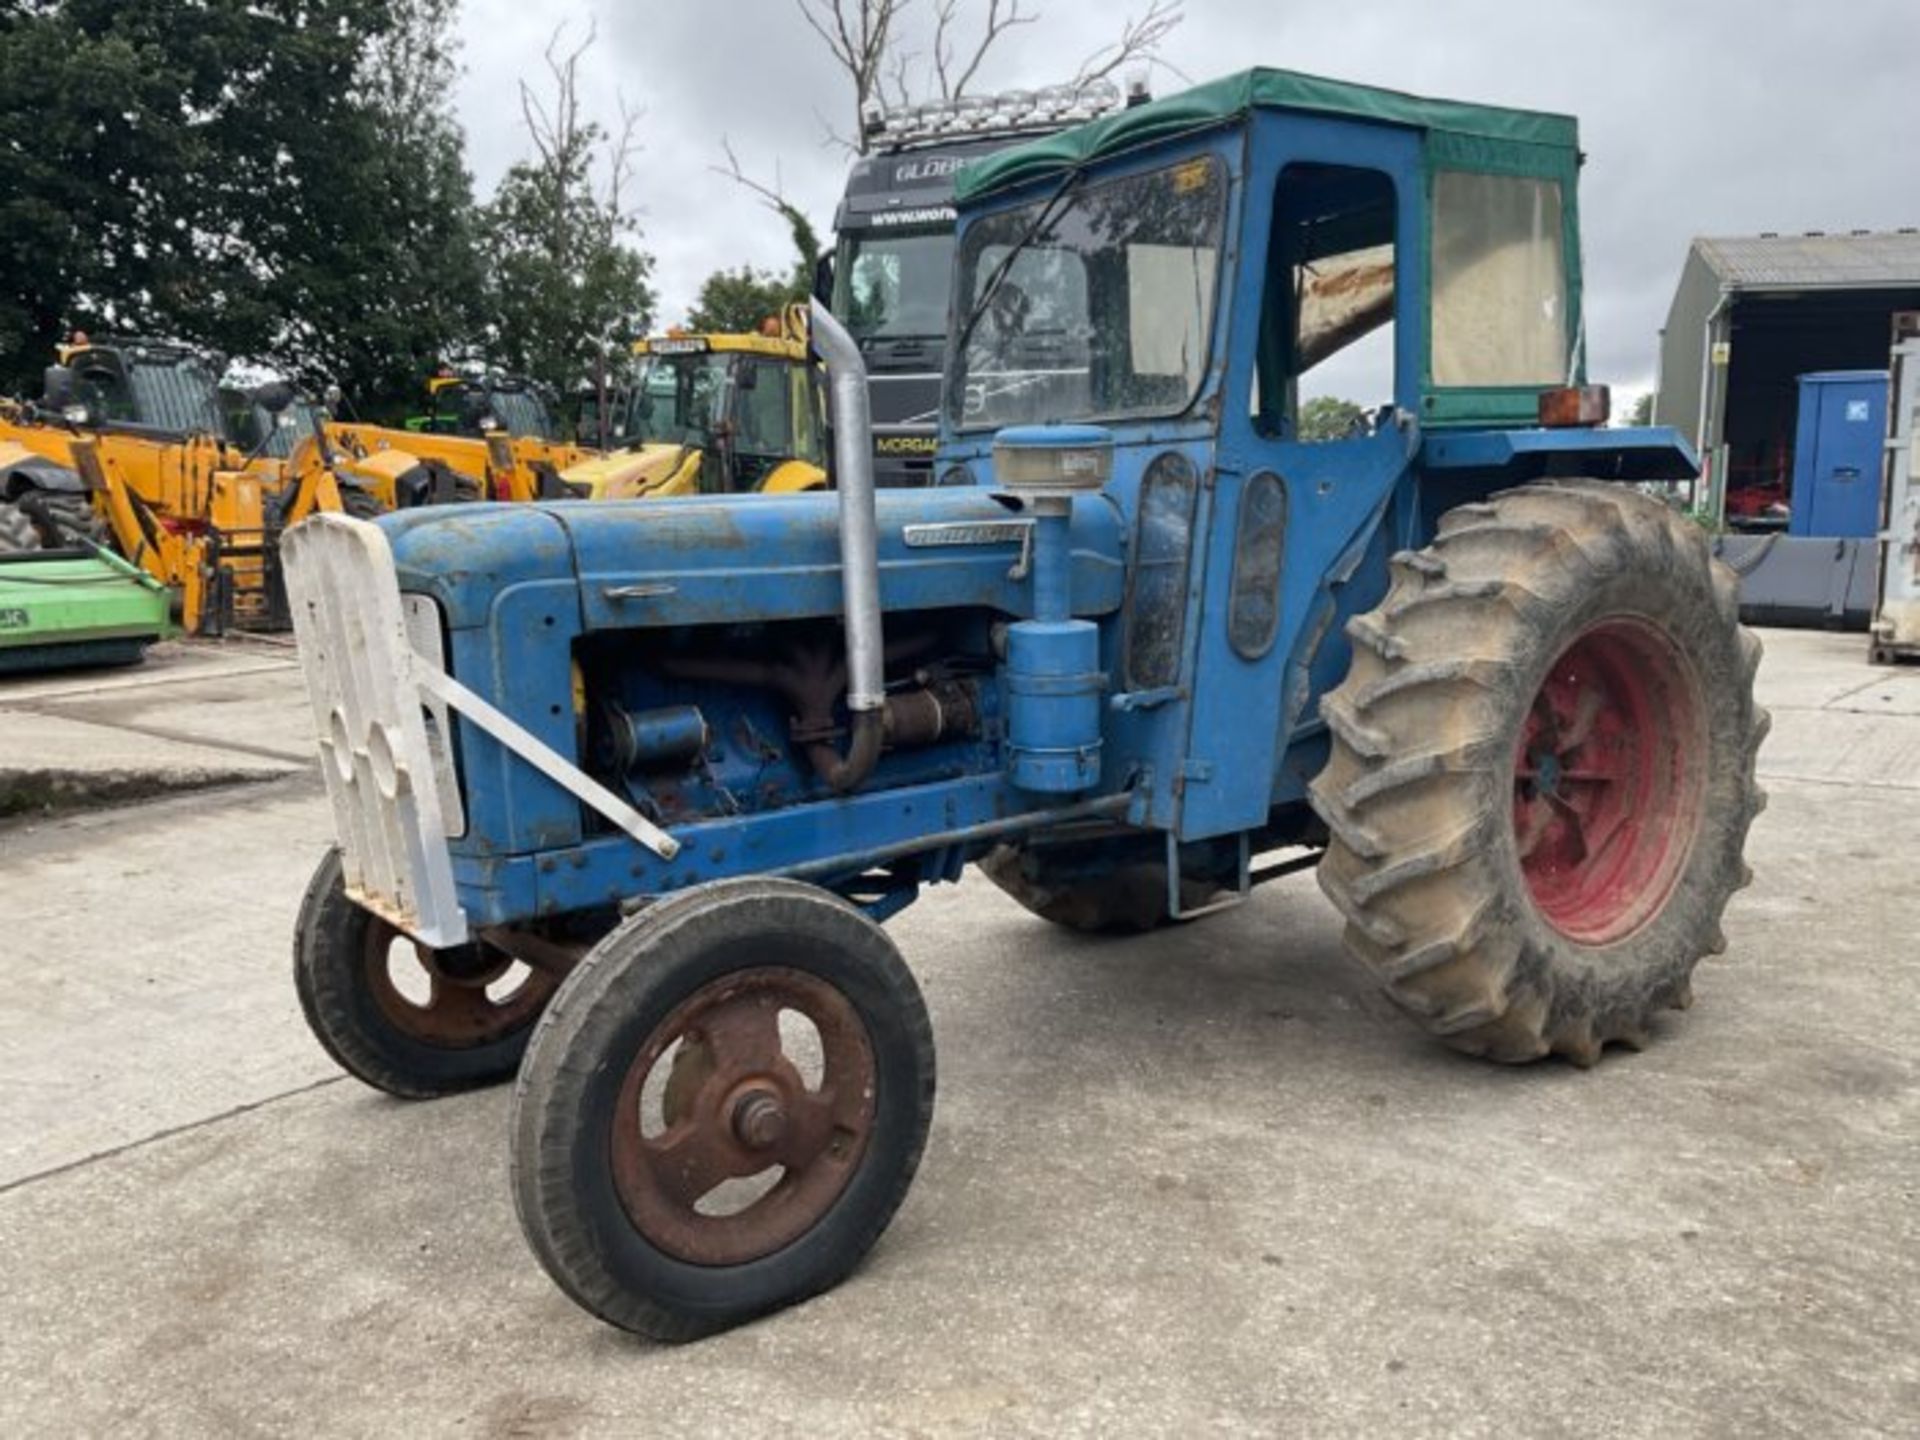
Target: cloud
(1715,116)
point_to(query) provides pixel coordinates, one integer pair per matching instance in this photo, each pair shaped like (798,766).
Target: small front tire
(675,1170)
(413,1022)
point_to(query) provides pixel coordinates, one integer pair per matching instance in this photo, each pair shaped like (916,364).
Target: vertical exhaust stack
(859,545)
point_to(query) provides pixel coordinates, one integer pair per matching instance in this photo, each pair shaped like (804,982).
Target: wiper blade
(1049,212)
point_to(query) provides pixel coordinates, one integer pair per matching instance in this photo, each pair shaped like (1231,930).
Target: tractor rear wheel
(360,503)
(723,1108)
(65,519)
(18,534)
(405,1019)
(1128,898)
(1542,772)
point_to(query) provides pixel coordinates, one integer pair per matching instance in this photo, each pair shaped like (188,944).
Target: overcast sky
(1698,116)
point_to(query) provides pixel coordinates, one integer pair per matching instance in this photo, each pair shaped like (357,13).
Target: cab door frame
(1337,505)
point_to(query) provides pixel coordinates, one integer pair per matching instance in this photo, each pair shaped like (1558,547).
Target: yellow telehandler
(128,446)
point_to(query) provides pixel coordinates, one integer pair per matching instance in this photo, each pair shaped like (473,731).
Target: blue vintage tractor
(625,792)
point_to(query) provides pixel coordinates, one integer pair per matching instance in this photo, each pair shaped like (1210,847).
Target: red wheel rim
(733,1107)
(1608,780)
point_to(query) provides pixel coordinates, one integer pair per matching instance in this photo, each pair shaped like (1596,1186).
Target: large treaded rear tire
(18,535)
(64,519)
(1421,790)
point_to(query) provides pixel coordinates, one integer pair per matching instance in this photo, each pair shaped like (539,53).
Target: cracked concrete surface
(1200,1180)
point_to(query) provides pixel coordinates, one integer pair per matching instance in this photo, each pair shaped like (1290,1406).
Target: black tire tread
(360,504)
(18,534)
(551,1092)
(65,519)
(1417,746)
(327,979)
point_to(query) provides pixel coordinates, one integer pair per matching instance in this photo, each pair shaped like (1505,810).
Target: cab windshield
(894,286)
(521,412)
(677,398)
(1095,303)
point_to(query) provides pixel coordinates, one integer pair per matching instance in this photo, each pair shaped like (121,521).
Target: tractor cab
(260,429)
(1275,300)
(715,415)
(477,407)
(139,385)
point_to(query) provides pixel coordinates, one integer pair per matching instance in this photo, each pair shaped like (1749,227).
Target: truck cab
(892,273)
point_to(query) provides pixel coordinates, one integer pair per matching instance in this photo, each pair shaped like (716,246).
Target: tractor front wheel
(404,1018)
(1542,772)
(723,1108)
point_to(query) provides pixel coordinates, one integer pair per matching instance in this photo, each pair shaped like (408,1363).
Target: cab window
(766,409)
(1326,351)
(1499,281)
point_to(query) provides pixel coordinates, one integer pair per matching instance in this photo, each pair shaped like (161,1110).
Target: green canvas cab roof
(1223,100)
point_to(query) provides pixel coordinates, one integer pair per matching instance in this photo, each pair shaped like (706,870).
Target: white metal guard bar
(544,758)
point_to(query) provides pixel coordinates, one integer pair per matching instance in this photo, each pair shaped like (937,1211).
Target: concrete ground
(1202,1180)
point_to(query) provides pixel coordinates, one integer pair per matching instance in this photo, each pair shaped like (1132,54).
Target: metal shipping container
(1837,454)
(1896,617)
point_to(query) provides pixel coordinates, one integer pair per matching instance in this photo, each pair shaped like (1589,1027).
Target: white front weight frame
(377,695)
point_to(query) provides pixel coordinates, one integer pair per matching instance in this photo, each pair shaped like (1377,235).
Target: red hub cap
(1608,778)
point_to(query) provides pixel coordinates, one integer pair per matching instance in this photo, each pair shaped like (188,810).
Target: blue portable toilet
(1838,450)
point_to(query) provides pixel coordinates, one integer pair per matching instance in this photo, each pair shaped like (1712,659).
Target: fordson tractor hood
(728,560)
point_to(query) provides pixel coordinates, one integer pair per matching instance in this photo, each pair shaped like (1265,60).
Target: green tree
(272,178)
(1326,417)
(564,280)
(400,288)
(735,301)
(1642,411)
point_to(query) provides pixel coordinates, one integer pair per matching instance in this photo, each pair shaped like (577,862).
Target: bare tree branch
(805,238)
(1139,38)
(867,40)
(998,22)
(902,73)
(621,148)
(857,34)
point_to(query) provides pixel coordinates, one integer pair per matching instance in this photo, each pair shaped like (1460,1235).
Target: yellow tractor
(715,415)
(129,446)
(415,467)
(482,438)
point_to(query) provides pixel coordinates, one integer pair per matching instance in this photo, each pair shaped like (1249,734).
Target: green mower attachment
(67,608)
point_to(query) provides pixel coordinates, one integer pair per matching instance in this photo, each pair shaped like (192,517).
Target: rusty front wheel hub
(732,1153)
(460,1008)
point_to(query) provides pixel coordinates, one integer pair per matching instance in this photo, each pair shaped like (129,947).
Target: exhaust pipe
(859,546)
